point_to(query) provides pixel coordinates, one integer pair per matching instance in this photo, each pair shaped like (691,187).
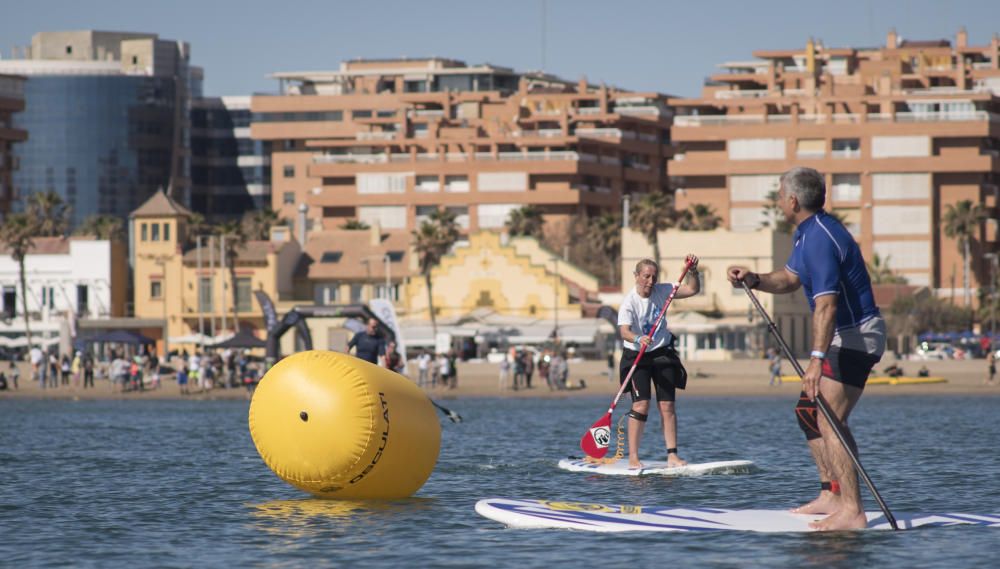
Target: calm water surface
(180,484)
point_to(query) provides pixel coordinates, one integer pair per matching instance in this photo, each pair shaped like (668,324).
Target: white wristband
(817,354)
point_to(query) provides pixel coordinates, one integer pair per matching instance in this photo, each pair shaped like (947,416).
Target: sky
(642,45)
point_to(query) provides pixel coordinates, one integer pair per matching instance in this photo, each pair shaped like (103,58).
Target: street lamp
(555,299)
(994,262)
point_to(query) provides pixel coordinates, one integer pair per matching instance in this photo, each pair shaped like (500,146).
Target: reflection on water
(305,516)
(180,484)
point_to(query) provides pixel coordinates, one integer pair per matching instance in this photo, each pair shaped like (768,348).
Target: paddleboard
(620,467)
(883,380)
(544,514)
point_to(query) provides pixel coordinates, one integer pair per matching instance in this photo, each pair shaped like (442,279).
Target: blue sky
(666,46)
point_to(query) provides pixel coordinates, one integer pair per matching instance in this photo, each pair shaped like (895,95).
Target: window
(331,256)
(361,114)
(82,300)
(69,50)
(205,294)
(757,149)
(810,148)
(395,256)
(9,302)
(356,290)
(244,294)
(846,148)
(135,60)
(143,232)
(166,232)
(326,293)
(155,234)
(289,171)
(381,183)
(288,197)
(390,292)
(156,289)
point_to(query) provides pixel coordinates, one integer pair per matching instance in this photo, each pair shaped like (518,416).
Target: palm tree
(196,227)
(651,214)
(431,241)
(234,239)
(50,213)
(257,224)
(103,227)
(354,224)
(880,272)
(773,217)
(961,222)
(699,217)
(526,220)
(604,234)
(16,233)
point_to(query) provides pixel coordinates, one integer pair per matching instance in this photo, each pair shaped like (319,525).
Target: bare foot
(842,520)
(634,464)
(674,461)
(826,503)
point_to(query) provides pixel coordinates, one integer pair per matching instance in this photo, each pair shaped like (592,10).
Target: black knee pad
(638,416)
(805,412)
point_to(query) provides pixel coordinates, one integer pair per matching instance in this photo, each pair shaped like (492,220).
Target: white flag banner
(385,312)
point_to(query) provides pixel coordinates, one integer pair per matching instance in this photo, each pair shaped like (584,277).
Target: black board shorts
(850,367)
(661,368)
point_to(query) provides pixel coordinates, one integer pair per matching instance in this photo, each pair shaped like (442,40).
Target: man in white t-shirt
(660,364)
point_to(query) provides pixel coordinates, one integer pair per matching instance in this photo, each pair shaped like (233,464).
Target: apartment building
(230,172)
(389,141)
(11,101)
(107,115)
(902,132)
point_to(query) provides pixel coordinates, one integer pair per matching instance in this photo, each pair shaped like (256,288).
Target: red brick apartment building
(11,101)
(388,141)
(901,132)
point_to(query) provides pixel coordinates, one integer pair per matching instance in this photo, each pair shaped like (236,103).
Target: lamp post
(388,278)
(994,261)
(555,299)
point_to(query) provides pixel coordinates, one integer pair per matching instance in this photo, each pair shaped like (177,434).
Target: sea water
(180,484)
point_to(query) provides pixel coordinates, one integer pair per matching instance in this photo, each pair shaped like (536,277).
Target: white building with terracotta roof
(68,279)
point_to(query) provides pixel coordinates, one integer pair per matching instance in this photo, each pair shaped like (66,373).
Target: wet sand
(744,378)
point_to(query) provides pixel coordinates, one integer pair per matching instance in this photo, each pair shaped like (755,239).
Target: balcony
(375,135)
(742,94)
(540,133)
(641,111)
(426,112)
(600,133)
(589,111)
(845,154)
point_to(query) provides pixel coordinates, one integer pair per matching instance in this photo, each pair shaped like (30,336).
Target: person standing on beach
(848,337)
(660,365)
(991,367)
(14,373)
(368,344)
(774,366)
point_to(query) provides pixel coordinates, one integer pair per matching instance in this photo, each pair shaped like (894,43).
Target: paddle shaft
(821,404)
(642,348)
(452,416)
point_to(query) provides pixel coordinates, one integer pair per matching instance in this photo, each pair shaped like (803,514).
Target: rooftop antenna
(544,6)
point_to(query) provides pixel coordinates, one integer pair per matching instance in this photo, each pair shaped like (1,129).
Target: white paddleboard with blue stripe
(620,467)
(546,514)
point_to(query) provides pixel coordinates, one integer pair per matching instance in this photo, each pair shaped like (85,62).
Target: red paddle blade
(596,440)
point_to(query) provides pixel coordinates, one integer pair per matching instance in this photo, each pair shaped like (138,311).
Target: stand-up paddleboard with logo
(620,467)
(544,514)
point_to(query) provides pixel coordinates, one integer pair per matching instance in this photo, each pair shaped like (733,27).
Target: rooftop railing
(648,110)
(839,118)
(742,94)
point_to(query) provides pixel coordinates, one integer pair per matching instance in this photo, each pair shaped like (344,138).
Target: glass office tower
(104,142)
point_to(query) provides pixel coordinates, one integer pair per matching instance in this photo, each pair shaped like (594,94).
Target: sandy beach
(744,378)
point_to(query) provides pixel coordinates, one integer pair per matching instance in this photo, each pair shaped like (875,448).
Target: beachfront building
(190,283)
(495,291)
(719,323)
(389,141)
(11,101)
(902,132)
(107,116)
(230,172)
(72,283)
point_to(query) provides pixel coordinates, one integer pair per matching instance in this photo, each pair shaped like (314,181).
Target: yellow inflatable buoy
(340,427)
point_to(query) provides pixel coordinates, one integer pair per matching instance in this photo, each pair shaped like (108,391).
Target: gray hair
(808,187)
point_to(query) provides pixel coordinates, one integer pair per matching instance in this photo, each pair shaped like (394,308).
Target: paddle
(821,404)
(452,416)
(596,440)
